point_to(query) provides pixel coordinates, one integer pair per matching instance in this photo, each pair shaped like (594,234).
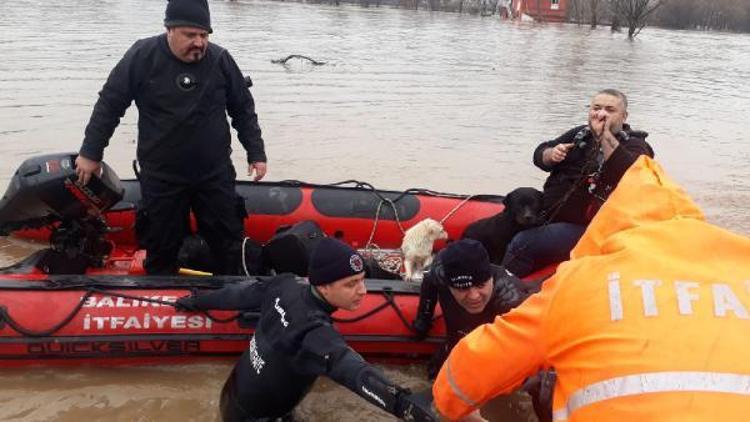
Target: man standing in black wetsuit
(183,87)
(295,342)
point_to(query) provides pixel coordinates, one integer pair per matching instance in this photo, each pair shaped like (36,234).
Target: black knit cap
(333,260)
(465,263)
(193,13)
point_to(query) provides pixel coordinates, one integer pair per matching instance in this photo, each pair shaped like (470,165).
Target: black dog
(523,207)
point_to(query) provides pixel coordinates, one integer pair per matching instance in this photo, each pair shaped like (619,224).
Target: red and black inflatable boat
(110,311)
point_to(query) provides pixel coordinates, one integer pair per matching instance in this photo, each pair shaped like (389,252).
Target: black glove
(541,388)
(436,361)
(421,327)
(509,292)
(185,304)
(415,406)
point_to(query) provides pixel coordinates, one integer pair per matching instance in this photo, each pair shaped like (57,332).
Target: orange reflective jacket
(649,320)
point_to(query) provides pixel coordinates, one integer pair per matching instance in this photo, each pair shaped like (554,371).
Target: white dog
(417,246)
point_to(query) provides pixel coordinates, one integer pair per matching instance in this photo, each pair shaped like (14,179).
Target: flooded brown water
(405,99)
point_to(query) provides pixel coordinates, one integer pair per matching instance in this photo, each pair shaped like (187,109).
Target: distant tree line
(629,15)
(706,15)
(474,7)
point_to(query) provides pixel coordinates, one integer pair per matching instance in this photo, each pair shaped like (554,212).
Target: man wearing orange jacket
(649,320)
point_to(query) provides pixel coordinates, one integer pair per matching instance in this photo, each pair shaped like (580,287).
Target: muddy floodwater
(405,99)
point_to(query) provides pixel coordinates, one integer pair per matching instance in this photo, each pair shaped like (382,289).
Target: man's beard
(196,55)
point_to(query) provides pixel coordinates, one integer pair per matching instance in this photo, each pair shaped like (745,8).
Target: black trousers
(232,411)
(164,222)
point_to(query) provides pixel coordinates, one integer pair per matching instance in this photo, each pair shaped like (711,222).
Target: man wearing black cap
(470,290)
(295,342)
(473,292)
(183,87)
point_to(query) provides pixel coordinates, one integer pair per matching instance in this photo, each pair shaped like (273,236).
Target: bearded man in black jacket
(183,87)
(585,165)
(295,341)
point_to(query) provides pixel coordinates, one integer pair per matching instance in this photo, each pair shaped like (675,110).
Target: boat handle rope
(394,267)
(12,323)
(5,316)
(169,303)
(455,209)
(389,301)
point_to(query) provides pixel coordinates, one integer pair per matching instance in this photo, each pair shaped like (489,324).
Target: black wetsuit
(183,145)
(508,292)
(294,343)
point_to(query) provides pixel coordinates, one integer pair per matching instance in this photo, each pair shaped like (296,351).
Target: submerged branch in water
(297,56)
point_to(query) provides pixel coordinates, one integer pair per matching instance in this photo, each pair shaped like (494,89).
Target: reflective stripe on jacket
(649,319)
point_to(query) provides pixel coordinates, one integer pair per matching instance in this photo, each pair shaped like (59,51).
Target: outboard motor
(44,192)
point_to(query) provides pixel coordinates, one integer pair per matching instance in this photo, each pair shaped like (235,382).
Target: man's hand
(508,294)
(85,168)
(415,406)
(260,169)
(556,154)
(185,304)
(602,130)
(421,327)
(474,416)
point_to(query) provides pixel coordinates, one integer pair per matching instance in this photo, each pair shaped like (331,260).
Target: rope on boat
(389,301)
(455,209)
(390,264)
(5,316)
(12,323)
(166,303)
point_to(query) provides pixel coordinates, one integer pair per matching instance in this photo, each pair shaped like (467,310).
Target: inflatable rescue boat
(86,298)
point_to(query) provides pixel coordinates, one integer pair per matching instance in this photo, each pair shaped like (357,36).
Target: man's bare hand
(602,129)
(85,168)
(260,169)
(474,416)
(556,154)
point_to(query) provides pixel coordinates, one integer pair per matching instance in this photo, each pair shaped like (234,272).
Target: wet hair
(615,93)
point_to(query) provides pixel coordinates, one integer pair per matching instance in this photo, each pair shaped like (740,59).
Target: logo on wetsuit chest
(255,359)
(281,312)
(186,82)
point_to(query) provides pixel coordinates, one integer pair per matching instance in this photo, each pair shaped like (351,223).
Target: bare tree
(575,11)
(594,9)
(635,13)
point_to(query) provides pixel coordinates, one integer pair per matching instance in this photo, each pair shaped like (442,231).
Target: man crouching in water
(295,342)
(472,292)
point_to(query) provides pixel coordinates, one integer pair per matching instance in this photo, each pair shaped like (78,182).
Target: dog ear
(508,199)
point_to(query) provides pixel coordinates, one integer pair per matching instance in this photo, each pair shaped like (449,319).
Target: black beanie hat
(465,263)
(192,13)
(333,260)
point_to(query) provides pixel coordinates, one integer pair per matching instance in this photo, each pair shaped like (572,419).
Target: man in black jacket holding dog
(295,342)
(183,87)
(585,165)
